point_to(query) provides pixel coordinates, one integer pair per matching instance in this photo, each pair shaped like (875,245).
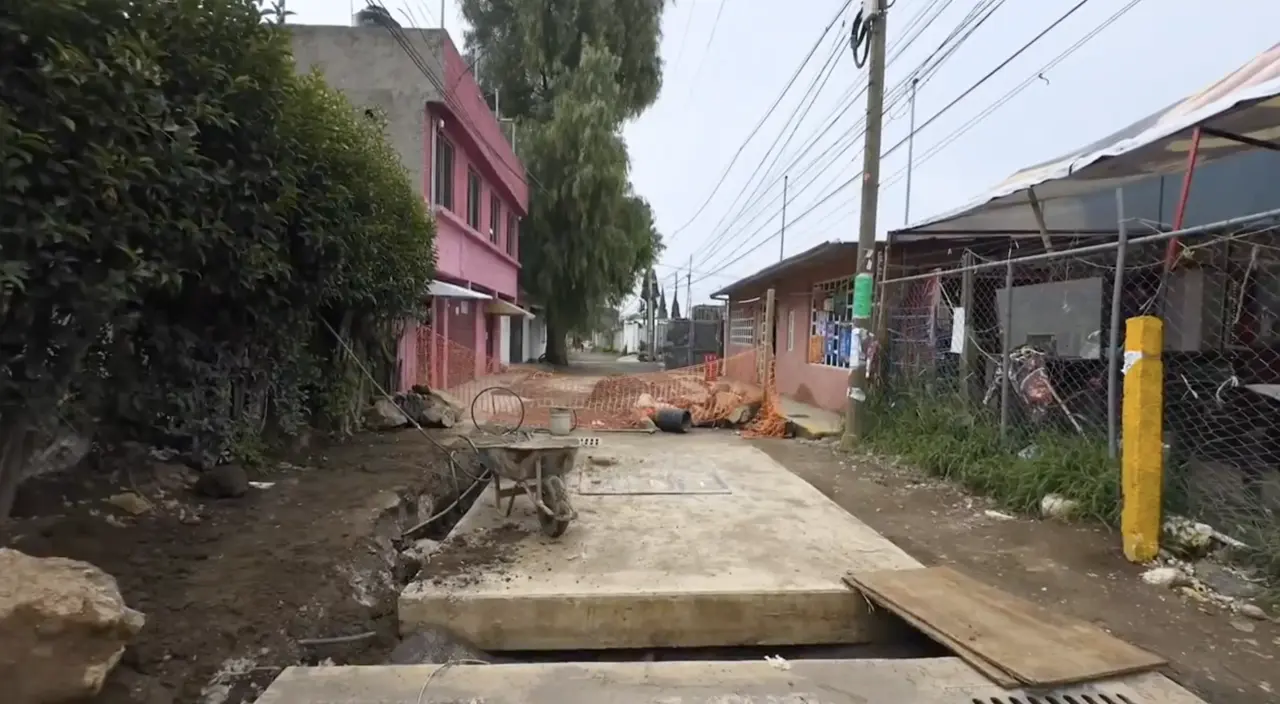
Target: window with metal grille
(473,199)
(513,233)
(495,218)
(444,173)
(830,325)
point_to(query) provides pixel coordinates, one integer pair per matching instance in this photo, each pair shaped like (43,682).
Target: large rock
(430,408)
(383,415)
(63,627)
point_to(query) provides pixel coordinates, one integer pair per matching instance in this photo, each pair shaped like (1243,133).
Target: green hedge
(182,220)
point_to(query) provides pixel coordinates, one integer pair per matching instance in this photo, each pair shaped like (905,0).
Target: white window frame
(791,329)
(826,319)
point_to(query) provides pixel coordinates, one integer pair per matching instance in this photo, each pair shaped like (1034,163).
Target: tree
(186,222)
(571,72)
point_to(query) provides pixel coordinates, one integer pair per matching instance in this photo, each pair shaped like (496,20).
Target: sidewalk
(1076,569)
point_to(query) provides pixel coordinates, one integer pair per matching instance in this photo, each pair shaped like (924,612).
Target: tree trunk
(557,354)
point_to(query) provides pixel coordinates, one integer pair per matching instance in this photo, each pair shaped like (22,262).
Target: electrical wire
(915,27)
(811,95)
(936,115)
(768,113)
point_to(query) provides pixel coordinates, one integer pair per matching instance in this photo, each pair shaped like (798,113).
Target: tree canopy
(185,221)
(571,72)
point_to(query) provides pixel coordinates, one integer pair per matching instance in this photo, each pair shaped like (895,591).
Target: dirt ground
(1078,570)
(230,586)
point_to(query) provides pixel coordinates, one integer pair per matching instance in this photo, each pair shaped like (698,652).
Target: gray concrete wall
(373,70)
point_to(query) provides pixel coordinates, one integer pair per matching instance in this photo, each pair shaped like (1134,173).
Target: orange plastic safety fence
(737,391)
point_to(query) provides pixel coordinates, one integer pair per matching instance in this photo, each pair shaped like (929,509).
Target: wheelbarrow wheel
(556,497)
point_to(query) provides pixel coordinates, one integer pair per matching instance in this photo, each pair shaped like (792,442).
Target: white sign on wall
(957,329)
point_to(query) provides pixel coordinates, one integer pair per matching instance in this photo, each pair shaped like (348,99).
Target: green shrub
(183,220)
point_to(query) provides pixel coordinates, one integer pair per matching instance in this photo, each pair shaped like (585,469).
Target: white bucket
(561,421)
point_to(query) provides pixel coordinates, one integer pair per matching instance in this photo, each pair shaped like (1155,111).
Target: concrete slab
(761,564)
(810,421)
(926,681)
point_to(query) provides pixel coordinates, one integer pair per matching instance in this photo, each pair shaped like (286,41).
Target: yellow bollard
(1142,455)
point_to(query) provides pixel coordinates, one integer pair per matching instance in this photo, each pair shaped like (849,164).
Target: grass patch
(944,439)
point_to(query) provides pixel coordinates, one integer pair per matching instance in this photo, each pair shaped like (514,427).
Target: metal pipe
(1102,247)
(1006,348)
(1113,340)
(1171,252)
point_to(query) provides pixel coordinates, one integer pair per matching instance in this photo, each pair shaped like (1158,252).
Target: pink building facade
(454,149)
(478,193)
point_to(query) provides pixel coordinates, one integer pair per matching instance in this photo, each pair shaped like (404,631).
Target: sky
(717,194)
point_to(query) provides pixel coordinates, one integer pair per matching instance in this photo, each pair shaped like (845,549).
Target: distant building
(458,157)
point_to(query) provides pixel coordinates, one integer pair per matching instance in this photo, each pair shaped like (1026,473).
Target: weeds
(945,439)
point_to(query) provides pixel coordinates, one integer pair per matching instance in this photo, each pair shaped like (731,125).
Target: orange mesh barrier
(730,391)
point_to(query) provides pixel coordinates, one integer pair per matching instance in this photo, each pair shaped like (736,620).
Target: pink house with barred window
(454,148)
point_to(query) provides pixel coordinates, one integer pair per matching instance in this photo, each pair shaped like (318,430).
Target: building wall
(373,71)
(794,376)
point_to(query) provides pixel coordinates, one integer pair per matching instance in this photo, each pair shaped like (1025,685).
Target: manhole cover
(629,481)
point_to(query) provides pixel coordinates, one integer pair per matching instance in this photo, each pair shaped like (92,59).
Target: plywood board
(997,632)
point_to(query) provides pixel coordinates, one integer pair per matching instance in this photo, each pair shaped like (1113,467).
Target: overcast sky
(727,62)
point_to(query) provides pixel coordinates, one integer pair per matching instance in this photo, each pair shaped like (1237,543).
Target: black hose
(860,38)
(520,401)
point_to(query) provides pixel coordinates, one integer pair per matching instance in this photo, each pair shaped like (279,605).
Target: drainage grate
(588,442)
(1069,696)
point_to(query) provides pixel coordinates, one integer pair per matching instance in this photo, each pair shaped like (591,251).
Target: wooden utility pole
(873,15)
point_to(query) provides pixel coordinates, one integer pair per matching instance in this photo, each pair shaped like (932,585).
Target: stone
(430,409)
(1166,577)
(436,645)
(1226,581)
(130,503)
(1253,611)
(227,481)
(63,627)
(1059,507)
(383,415)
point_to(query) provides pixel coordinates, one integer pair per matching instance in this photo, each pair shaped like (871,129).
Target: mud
(231,586)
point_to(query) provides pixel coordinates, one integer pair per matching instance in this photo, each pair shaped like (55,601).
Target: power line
(912,32)
(811,95)
(936,115)
(760,124)
(971,21)
(710,38)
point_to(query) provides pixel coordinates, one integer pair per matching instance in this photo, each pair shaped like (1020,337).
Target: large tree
(571,72)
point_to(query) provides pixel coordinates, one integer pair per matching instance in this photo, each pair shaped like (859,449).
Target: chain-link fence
(1018,349)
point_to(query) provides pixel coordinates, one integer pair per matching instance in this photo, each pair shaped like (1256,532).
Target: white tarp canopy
(1243,104)
(442,289)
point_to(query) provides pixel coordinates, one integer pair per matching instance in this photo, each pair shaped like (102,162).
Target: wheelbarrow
(537,467)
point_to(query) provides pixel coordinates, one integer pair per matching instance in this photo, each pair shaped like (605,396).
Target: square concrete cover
(922,681)
(759,565)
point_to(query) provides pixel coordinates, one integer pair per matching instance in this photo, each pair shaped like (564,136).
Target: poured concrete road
(726,548)
(926,681)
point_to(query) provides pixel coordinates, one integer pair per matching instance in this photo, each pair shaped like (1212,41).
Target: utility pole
(441,14)
(688,291)
(911,153)
(782,240)
(650,313)
(873,16)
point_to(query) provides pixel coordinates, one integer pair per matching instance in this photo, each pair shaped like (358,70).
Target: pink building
(454,148)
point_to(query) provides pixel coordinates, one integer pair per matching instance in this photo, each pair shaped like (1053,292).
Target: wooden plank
(994,630)
(986,669)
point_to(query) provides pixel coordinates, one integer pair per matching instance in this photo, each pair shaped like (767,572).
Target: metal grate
(1071,696)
